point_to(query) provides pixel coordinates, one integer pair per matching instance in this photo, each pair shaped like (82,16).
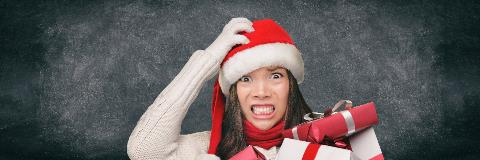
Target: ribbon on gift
(294,149)
(337,125)
(311,151)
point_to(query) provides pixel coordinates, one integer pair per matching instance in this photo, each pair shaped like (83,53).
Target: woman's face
(263,96)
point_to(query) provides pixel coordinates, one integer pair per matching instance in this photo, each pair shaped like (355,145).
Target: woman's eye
(244,79)
(276,75)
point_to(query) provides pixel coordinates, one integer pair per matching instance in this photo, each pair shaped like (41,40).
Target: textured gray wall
(77,76)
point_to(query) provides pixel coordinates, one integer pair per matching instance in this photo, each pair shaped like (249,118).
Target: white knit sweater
(157,134)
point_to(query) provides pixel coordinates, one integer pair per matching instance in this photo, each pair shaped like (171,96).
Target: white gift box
(365,145)
(300,150)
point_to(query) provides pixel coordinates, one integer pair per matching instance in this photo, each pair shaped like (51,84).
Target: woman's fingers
(230,37)
(240,39)
(239,27)
(236,21)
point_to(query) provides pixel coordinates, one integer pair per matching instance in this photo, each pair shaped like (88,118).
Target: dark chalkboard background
(77,75)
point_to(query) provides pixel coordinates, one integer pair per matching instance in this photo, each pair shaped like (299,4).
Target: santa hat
(270,45)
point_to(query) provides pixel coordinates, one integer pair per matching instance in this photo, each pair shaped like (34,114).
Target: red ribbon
(311,151)
(378,157)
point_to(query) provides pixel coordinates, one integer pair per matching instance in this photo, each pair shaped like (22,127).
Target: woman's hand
(230,37)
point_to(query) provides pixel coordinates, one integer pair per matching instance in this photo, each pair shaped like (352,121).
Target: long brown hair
(233,138)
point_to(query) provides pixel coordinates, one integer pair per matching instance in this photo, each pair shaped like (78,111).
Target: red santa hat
(270,45)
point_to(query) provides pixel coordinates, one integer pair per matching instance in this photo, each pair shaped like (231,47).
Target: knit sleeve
(157,133)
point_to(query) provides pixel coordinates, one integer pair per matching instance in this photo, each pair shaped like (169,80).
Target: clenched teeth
(263,110)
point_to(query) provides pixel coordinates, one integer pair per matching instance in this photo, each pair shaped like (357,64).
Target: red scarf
(265,139)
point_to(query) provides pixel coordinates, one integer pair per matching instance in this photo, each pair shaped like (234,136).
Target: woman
(258,70)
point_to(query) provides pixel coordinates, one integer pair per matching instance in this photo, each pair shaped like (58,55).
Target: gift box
(365,145)
(337,125)
(300,150)
(249,153)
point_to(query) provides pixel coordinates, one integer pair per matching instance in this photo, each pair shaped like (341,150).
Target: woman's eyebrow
(273,68)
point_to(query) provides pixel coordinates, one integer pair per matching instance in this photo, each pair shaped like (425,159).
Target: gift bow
(315,115)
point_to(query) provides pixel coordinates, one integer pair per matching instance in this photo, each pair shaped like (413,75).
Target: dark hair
(233,138)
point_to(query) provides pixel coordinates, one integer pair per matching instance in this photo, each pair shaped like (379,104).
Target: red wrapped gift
(337,125)
(293,149)
(249,153)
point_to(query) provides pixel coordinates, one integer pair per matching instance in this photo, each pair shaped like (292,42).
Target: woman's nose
(261,90)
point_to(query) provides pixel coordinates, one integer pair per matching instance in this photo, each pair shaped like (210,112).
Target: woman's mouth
(263,111)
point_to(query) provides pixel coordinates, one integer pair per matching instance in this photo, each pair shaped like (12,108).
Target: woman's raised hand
(230,37)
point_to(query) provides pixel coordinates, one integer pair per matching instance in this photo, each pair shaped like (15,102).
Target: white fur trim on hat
(270,54)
